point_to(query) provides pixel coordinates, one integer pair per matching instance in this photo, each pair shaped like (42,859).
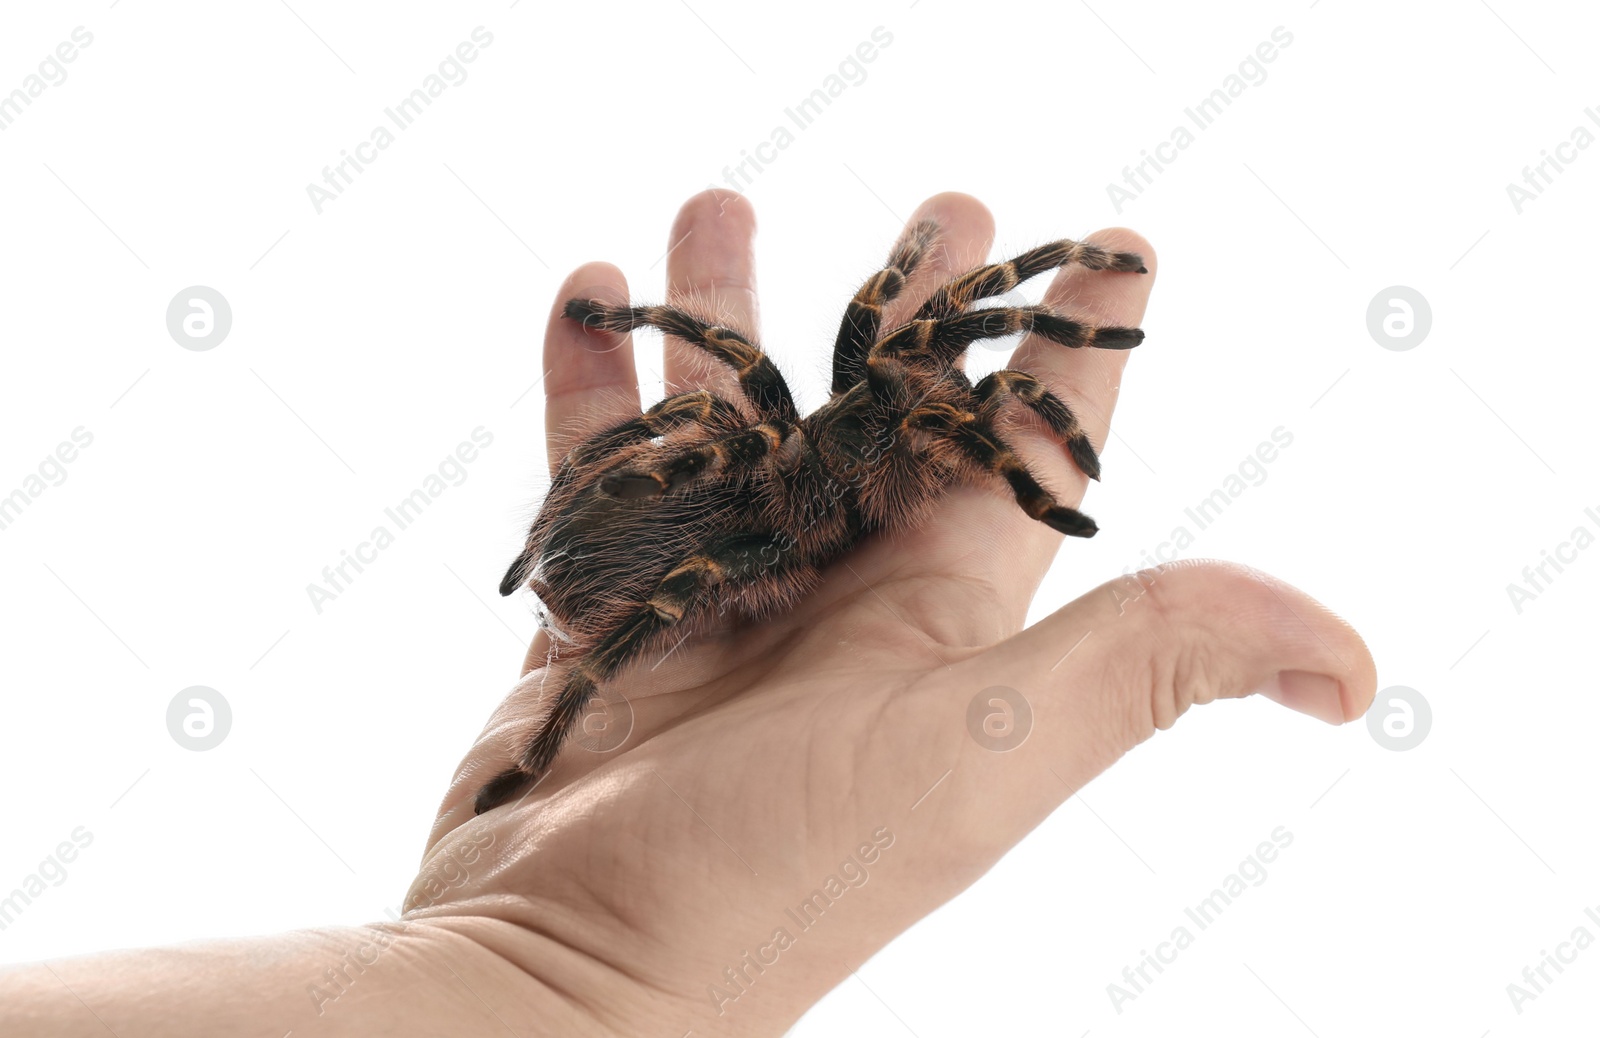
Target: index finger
(589,380)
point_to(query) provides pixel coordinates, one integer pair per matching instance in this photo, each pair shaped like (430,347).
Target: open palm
(791,795)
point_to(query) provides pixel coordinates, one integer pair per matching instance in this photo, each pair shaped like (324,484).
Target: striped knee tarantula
(704,505)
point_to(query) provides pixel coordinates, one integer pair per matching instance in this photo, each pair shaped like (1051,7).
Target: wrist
(425,977)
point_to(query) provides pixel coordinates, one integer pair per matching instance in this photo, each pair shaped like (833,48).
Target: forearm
(425,978)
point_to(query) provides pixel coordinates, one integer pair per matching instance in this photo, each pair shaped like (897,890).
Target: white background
(369,339)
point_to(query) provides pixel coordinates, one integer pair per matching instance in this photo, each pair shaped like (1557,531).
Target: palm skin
(762,757)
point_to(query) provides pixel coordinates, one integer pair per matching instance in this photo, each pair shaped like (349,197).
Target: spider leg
(992,390)
(735,557)
(758,376)
(888,380)
(863,316)
(999,278)
(683,408)
(734,452)
(943,339)
(700,405)
(978,441)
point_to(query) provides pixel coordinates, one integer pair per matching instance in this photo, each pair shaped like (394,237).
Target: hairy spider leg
(760,379)
(994,389)
(942,339)
(731,454)
(863,316)
(981,444)
(735,558)
(695,405)
(997,279)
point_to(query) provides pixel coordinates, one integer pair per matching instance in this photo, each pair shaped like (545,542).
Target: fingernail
(1310,693)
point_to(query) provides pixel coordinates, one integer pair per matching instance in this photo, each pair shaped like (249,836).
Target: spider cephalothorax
(704,505)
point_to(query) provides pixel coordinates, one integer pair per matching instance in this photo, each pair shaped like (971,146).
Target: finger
(1107,670)
(1088,379)
(966,232)
(711,269)
(982,537)
(589,380)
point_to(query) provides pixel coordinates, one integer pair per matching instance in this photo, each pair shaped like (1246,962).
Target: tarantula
(704,504)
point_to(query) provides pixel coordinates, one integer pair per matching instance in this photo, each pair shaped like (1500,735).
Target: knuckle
(1175,664)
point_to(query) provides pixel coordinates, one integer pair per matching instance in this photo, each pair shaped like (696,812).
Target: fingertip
(1125,239)
(714,203)
(964,233)
(960,217)
(711,265)
(1113,301)
(1344,680)
(1110,297)
(589,377)
(594,280)
(596,274)
(1358,688)
(1352,704)
(1327,642)
(710,251)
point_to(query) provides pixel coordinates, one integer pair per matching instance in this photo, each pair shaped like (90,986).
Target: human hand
(662,884)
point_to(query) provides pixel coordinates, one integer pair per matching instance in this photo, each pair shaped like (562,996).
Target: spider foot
(1117,338)
(502,788)
(1069,521)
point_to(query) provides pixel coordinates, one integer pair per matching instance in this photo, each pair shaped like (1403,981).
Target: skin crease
(608,899)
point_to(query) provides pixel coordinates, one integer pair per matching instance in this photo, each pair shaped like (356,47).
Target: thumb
(1105,671)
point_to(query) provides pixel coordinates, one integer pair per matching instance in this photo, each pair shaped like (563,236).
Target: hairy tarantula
(703,504)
